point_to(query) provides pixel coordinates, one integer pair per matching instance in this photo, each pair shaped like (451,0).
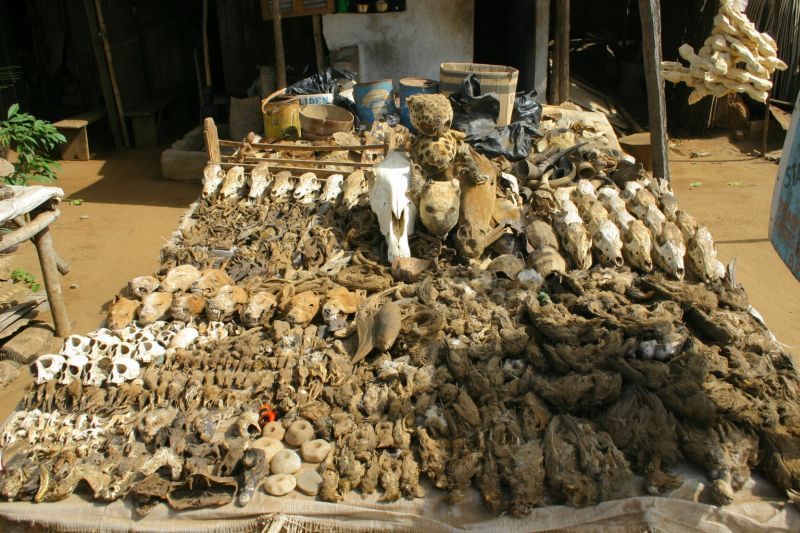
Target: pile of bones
(445,321)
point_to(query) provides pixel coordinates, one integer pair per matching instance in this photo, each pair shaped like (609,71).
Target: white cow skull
(74,368)
(123,369)
(260,179)
(212,179)
(48,366)
(389,201)
(96,372)
(149,351)
(306,189)
(234,182)
(333,188)
(75,344)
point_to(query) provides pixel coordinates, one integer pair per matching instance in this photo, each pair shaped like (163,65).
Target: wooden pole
(111,73)
(206,56)
(541,49)
(650,14)
(44,248)
(105,79)
(280,56)
(319,49)
(765,131)
(212,140)
(561,51)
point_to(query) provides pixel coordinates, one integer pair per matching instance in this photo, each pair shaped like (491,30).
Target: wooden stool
(74,129)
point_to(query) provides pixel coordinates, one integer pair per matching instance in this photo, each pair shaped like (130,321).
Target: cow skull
(123,369)
(389,201)
(260,179)
(212,179)
(48,367)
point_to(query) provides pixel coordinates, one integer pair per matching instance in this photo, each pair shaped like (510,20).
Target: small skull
(222,305)
(282,186)
(212,179)
(259,309)
(123,369)
(306,189)
(142,286)
(96,372)
(260,179)
(73,369)
(332,190)
(75,344)
(149,351)
(184,338)
(123,349)
(48,367)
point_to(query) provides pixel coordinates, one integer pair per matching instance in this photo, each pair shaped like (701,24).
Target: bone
(180,278)
(389,201)
(213,175)
(234,182)
(155,306)
(259,180)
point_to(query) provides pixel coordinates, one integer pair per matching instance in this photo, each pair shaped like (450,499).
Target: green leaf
(13,110)
(734,184)
(696,184)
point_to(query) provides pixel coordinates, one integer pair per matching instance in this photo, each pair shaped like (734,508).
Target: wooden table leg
(44,247)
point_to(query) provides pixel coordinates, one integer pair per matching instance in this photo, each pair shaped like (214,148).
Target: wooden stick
(230,159)
(765,131)
(302,148)
(29,230)
(301,170)
(319,49)
(44,248)
(280,55)
(650,14)
(111,72)
(561,56)
(541,49)
(206,55)
(212,140)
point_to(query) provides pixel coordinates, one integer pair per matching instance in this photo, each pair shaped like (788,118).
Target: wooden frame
(298,9)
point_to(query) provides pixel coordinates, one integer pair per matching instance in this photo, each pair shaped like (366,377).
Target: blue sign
(784,224)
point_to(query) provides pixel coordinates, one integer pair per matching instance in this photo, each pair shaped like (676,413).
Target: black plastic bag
(476,115)
(321,82)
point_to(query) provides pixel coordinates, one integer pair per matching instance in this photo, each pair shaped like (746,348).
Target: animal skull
(259,309)
(155,306)
(73,369)
(594,216)
(165,337)
(184,338)
(212,179)
(637,245)
(148,351)
(622,218)
(180,278)
(75,344)
(303,308)
(142,286)
(568,214)
(211,281)
(389,201)
(96,371)
(654,219)
(282,186)
(124,349)
(608,243)
(260,179)
(332,190)
(577,243)
(216,331)
(355,188)
(339,302)
(234,182)
(669,250)
(48,367)
(439,206)
(186,307)
(123,369)
(306,189)
(222,305)
(702,254)
(121,312)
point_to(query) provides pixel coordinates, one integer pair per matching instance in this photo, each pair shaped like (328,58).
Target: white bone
(333,188)
(96,374)
(212,179)
(123,349)
(123,369)
(165,337)
(73,369)
(281,187)
(48,367)
(234,182)
(306,188)
(149,351)
(184,338)
(260,179)
(389,201)
(216,331)
(75,344)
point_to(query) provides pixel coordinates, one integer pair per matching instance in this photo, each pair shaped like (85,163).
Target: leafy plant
(21,275)
(32,138)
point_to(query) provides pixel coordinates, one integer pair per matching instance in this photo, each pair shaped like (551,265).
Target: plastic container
(410,87)
(373,99)
(496,79)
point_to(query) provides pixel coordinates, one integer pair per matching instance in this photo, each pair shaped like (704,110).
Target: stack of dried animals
(480,361)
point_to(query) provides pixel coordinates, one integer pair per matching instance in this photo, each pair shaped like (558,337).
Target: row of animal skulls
(282,186)
(635,225)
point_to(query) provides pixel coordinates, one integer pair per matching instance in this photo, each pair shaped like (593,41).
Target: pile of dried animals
(537,336)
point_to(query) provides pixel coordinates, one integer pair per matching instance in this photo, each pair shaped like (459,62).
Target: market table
(33,209)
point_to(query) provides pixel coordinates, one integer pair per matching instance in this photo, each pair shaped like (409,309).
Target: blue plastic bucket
(410,87)
(373,100)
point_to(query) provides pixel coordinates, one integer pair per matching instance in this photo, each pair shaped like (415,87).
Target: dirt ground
(128,213)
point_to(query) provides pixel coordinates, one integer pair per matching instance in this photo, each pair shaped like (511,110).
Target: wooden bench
(74,129)
(145,117)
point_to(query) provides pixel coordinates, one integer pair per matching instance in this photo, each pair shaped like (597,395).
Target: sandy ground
(128,213)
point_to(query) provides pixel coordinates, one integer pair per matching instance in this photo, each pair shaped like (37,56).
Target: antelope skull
(260,179)
(332,190)
(306,189)
(234,182)
(212,179)
(608,244)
